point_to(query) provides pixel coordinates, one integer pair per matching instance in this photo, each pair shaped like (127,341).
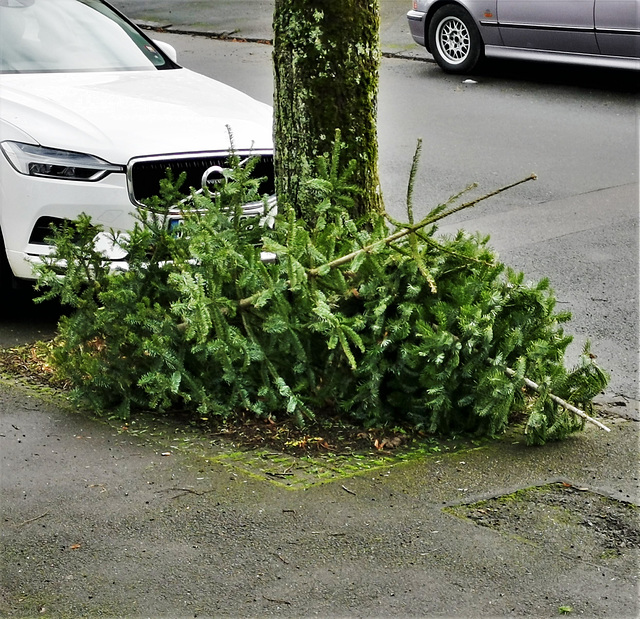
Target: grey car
(460,33)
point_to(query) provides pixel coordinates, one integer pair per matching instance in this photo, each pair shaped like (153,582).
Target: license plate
(173,223)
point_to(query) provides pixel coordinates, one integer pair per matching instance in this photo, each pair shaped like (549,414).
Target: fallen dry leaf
(388,443)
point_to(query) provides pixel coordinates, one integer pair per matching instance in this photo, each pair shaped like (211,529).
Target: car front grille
(144,174)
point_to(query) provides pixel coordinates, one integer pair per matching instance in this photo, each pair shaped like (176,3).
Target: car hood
(120,115)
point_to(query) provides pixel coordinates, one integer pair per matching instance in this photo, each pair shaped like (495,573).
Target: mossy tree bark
(326,64)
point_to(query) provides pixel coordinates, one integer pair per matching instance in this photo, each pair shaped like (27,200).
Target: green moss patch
(578,521)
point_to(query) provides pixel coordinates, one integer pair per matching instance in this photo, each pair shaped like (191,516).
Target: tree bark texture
(326,65)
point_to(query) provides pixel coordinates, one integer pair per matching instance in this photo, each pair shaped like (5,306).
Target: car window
(71,35)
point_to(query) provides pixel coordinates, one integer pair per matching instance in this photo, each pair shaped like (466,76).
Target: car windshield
(51,36)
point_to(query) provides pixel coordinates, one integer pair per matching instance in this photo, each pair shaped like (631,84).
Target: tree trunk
(326,63)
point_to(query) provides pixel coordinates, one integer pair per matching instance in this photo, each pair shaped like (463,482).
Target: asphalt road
(577,129)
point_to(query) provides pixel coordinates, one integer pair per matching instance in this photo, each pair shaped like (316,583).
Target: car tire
(454,40)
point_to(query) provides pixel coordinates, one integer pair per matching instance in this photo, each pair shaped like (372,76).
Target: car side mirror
(168,49)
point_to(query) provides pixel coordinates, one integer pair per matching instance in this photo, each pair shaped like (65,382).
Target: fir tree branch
(560,401)
(457,254)
(455,209)
(408,229)
(412,180)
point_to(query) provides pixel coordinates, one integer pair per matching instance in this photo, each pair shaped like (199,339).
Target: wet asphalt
(103,520)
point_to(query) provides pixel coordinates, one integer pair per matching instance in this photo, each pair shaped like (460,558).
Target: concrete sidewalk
(252,20)
(102,520)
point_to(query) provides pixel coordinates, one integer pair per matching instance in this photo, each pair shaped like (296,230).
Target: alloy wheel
(453,40)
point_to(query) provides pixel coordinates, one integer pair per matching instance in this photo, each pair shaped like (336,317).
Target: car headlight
(52,163)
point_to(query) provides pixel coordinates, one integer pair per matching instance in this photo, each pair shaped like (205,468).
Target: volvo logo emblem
(212,176)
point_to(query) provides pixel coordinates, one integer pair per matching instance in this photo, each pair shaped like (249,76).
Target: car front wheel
(454,40)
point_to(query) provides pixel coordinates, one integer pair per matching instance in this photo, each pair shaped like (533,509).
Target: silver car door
(555,25)
(618,27)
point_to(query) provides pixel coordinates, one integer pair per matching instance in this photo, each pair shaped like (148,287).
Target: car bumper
(416,21)
(30,203)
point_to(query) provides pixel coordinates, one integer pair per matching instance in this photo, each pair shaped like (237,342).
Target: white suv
(93,113)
